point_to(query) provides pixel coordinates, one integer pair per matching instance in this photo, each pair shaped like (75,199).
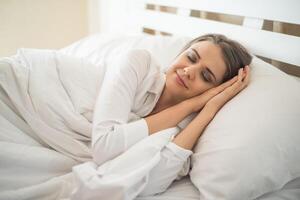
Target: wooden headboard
(177,17)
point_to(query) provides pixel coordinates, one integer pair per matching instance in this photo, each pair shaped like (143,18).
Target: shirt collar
(159,83)
(155,91)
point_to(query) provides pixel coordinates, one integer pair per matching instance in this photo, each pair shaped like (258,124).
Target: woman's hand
(238,83)
(198,102)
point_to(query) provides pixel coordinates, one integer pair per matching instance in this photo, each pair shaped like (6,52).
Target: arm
(189,136)
(112,134)
(175,154)
(162,120)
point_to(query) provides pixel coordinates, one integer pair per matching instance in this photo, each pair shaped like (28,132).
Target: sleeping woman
(208,72)
(134,100)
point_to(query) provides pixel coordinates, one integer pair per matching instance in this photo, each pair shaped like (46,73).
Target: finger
(240,74)
(230,82)
(247,76)
(227,84)
(237,86)
(245,70)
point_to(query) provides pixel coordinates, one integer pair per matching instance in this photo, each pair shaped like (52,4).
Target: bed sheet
(182,189)
(185,190)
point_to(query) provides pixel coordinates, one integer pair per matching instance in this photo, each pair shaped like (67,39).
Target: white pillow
(250,147)
(99,47)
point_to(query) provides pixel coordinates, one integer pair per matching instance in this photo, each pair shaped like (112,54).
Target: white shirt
(131,88)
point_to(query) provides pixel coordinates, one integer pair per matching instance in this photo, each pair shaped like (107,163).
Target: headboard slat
(278,10)
(260,42)
(251,22)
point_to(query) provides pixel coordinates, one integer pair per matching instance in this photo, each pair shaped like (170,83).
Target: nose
(189,72)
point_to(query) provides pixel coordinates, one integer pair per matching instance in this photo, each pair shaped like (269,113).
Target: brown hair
(235,55)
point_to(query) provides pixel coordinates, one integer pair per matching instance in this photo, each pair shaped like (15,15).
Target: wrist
(210,110)
(189,106)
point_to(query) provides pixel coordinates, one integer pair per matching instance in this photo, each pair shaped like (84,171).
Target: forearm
(169,117)
(190,134)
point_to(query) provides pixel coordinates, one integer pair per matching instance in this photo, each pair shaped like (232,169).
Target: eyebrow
(196,52)
(211,73)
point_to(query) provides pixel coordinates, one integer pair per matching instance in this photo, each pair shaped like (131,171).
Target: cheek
(171,82)
(178,63)
(172,69)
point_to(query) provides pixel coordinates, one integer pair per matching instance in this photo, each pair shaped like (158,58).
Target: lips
(179,79)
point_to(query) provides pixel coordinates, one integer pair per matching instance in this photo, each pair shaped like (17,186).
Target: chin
(176,92)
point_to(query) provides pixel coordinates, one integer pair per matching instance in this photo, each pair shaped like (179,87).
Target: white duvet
(44,133)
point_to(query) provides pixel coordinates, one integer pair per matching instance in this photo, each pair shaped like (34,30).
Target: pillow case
(250,147)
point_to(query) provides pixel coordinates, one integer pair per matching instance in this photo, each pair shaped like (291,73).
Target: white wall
(41,23)
(53,24)
(118,16)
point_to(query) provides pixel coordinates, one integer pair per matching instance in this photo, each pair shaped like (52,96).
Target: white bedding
(32,169)
(180,190)
(89,48)
(42,137)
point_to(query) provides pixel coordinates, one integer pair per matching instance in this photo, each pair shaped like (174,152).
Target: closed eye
(205,75)
(191,58)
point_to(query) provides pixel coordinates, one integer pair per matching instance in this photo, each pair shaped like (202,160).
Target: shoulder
(137,61)
(133,63)
(137,57)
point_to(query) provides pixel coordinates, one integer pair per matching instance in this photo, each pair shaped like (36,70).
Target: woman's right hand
(199,101)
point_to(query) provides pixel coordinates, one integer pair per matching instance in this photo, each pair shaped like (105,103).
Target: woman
(204,64)
(209,71)
(47,95)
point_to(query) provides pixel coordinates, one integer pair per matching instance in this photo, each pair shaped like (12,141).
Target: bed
(230,161)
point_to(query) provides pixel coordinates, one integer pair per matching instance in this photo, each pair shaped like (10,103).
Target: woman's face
(200,67)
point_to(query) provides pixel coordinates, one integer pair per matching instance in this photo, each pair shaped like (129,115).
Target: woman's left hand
(242,81)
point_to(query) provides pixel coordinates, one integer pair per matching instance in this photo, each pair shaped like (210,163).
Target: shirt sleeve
(112,134)
(173,165)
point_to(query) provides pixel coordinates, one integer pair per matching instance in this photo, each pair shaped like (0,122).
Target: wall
(118,15)
(41,23)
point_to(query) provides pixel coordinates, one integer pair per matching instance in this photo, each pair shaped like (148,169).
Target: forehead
(211,57)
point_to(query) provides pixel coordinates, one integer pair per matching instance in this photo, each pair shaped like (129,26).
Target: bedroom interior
(99,16)
(241,155)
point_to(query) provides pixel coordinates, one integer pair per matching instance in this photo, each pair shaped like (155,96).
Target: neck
(165,100)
